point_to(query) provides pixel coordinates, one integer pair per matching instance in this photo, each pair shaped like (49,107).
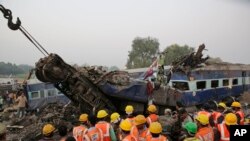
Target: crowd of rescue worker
(207,124)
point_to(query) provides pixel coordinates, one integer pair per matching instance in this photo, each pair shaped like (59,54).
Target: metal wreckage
(91,89)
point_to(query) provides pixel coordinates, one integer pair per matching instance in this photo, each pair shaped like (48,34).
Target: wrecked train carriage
(94,89)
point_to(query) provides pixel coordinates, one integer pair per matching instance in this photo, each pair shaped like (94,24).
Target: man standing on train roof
(160,64)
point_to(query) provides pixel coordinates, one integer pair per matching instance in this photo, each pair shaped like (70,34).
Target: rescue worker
(206,111)
(153,117)
(218,114)
(79,131)
(93,133)
(191,129)
(115,121)
(222,108)
(48,132)
(105,126)
(236,106)
(205,131)
(125,127)
(155,129)
(223,128)
(129,111)
(140,129)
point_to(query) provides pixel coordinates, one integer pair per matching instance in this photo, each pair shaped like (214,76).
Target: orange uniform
(152,118)
(242,115)
(79,132)
(129,138)
(93,134)
(205,134)
(104,126)
(160,138)
(224,133)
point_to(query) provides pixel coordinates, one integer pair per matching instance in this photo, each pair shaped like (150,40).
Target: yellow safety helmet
(48,129)
(230,119)
(222,104)
(140,119)
(102,114)
(114,117)
(155,127)
(83,117)
(203,119)
(152,108)
(129,109)
(236,104)
(126,125)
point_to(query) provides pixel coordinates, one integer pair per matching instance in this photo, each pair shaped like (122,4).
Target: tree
(8,68)
(143,50)
(175,51)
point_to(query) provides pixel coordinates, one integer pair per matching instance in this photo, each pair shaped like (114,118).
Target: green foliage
(143,50)
(175,51)
(8,69)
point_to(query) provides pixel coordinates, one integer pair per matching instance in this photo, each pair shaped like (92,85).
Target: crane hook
(8,15)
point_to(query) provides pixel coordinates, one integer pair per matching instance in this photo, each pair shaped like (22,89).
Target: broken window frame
(186,87)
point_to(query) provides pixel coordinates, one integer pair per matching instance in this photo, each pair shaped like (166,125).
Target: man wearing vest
(153,117)
(105,126)
(218,115)
(140,129)
(206,110)
(205,131)
(126,135)
(155,129)
(129,111)
(115,121)
(93,133)
(79,131)
(230,119)
(236,106)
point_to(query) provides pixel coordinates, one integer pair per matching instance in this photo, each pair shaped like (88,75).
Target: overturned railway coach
(212,82)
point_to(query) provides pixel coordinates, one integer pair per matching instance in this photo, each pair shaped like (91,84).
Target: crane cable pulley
(8,15)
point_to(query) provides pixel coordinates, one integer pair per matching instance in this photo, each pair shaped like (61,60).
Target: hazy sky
(100,32)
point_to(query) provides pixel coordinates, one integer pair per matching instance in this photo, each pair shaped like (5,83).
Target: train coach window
(42,93)
(225,82)
(201,84)
(235,81)
(214,83)
(52,92)
(34,95)
(180,85)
